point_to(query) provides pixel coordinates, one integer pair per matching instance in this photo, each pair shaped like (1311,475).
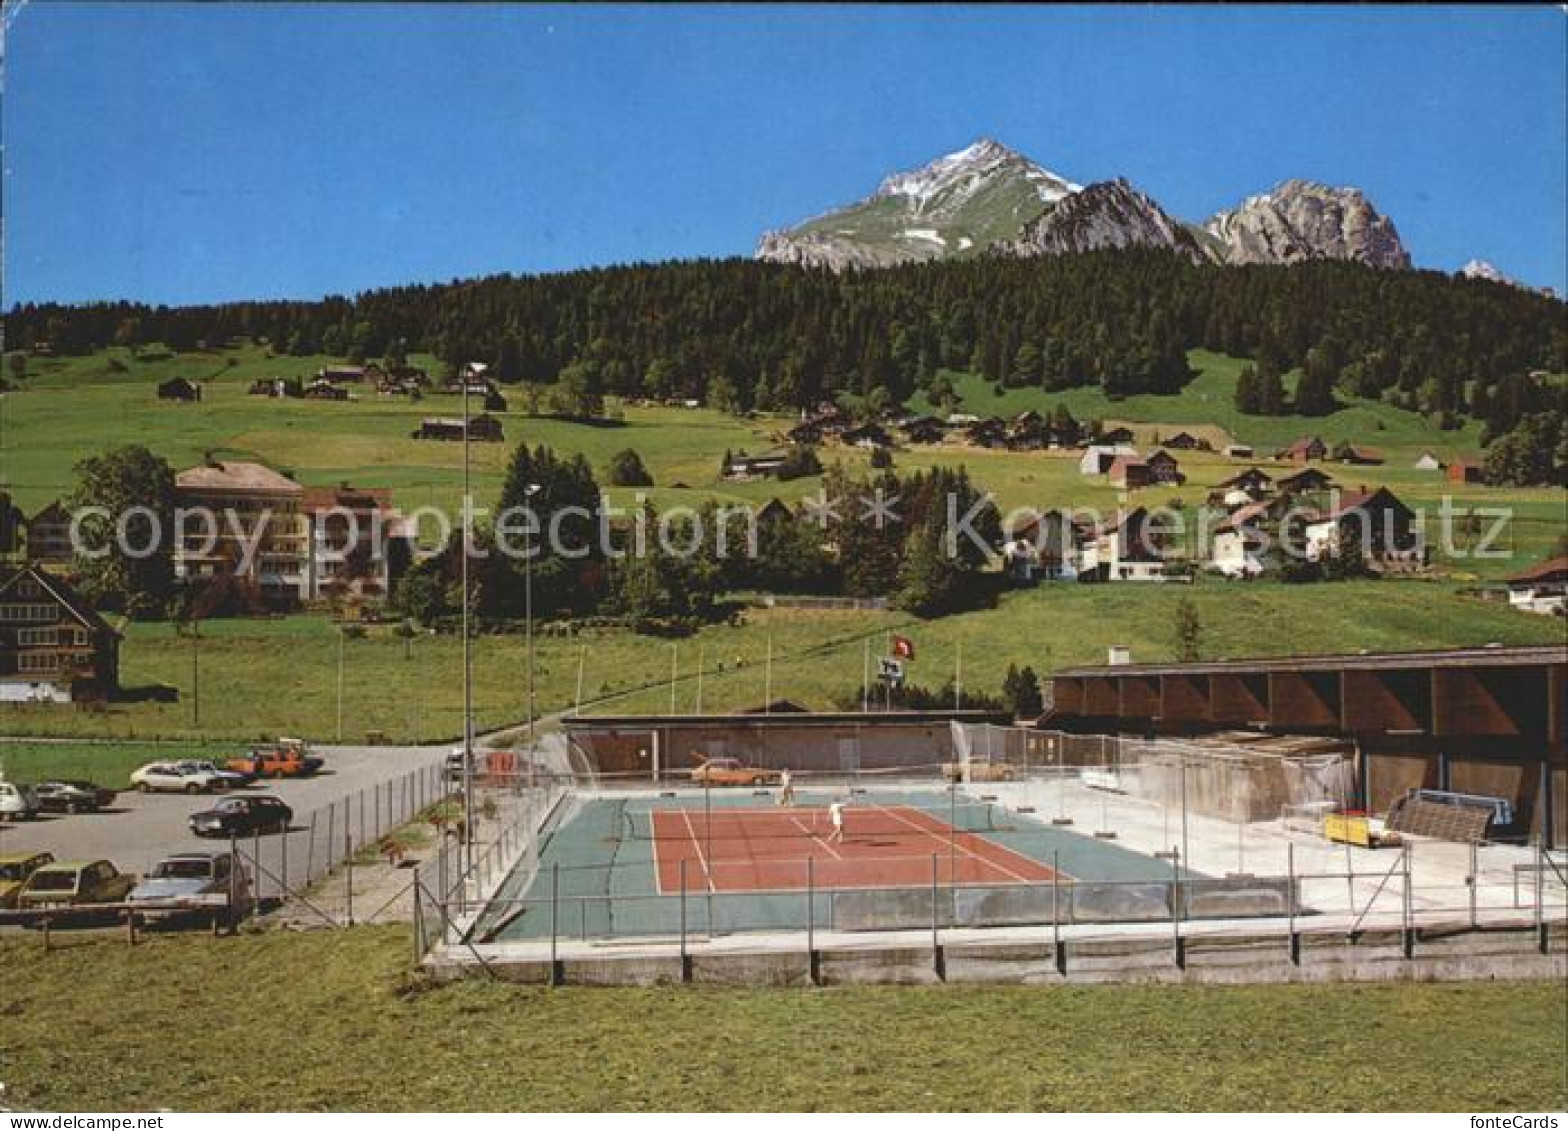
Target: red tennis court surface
(883,846)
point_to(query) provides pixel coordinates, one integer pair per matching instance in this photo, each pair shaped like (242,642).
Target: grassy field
(99,1026)
(261,678)
(106,763)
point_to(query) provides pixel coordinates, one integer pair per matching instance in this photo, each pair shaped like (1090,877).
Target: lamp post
(529,492)
(468,656)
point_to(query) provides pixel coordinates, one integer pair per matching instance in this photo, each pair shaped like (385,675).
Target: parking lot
(138,829)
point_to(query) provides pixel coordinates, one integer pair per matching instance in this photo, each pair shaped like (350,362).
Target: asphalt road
(139,829)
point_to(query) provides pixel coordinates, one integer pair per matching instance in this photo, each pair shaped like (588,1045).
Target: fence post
(310,850)
(419,921)
(283,867)
(348,865)
(234,880)
(555,918)
(938,964)
(1179,951)
(1290,902)
(332,820)
(1057,953)
(813,970)
(1540,894)
(685,957)
(1473,881)
(255,854)
(1407,933)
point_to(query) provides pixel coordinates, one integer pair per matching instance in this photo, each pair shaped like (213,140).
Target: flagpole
(958,678)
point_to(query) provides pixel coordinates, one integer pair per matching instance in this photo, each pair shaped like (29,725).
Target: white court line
(697,844)
(952,841)
(816,838)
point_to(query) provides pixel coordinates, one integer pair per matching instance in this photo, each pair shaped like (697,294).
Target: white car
(17,802)
(175,777)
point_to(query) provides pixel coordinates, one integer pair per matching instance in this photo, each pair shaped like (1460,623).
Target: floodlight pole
(468,662)
(529,492)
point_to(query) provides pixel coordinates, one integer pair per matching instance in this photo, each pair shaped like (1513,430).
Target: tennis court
(640,864)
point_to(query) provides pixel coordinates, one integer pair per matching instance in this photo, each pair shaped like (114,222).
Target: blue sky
(180,153)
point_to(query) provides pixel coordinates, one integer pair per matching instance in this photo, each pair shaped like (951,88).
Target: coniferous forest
(770,336)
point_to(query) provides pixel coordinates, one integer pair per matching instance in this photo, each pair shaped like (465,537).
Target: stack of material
(1419,817)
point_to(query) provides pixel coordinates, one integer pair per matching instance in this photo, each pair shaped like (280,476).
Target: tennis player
(786,788)
(836,819)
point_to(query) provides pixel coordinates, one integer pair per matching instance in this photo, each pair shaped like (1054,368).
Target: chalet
(961,419)
(474,386)
(323,390)
(1465,471)
(276,387)
(483,427)
(1542,588)
(1097,458)
(924,430)
(494,401)
(49,537)
(1044,548)
(403,380)
(1116,436)
(866,436)
(1239,451)
(179,389)
(1163,469)
(988,433)
(1426,461)
(1378,521)
(1130,549)
(341,374)
(1028,432)
(1187,442)
(738,467)
(806,432)
(242,521)
(1239,541)
(54,647)
(1305,450)
(476,371)
(1306,480)
(1242,488)
(1362,457)
(358,542)
(1128,473)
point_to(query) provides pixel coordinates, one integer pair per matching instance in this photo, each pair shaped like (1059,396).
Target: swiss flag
(903,648)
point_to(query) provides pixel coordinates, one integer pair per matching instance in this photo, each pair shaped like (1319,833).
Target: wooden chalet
(54,647)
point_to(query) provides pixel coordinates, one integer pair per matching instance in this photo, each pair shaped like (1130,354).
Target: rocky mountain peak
(1302,219)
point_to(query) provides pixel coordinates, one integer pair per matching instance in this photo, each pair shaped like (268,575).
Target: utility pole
(195,673)
(529,491)
(468,657)
(342,636)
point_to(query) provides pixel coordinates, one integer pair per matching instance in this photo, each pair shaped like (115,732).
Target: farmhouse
(738,467)
(988,433)
(54,647)
(1130,549)
(1305,480)
(1305,450)
(1242,488)
(1129,473)
(1239,541)
(1464,471)
(1380,524)
(1426,461)
(243,521)
(867,436)
(49,536)
(1362,457)
(924,430)
(341,374)
(1187,442)
(1118,435)
(1045,548)
(1164,470)
(1097,458)
(1542,588)
(179,389)
(483,427)
(1239,451)
(275,387)
(323,390)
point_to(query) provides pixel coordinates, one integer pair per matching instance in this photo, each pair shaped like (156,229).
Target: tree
(799,462)
(1189,631)
(1315,390)
(16,365)
(881,458)
(627,470)
(1247,390)
(1534,453)
(1271,391)
(1021,692)
(722,395)
(126,550)
(578,392)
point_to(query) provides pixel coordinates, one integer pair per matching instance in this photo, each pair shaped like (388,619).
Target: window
(37,637)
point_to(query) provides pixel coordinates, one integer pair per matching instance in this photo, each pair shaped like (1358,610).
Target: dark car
(241,816)
(72,796)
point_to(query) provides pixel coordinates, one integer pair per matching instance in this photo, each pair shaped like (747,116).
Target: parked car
(287,759)
(15,867)
(17,802)
(732,771)
(72,795)
(175,777)
(241,816)
(454,766)
(72,883)
(195,873)
(232,779)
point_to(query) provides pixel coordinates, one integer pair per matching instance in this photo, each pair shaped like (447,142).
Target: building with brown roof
(54,647)
(243,520)
(1542,588)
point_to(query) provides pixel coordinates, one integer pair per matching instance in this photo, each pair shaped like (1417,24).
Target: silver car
(17,802)
(175,777)
(187,874)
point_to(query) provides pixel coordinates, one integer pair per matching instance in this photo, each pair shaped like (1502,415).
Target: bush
(627,470)
(799,463)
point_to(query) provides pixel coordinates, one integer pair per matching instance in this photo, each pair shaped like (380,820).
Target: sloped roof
(70,600)
(1548,570)
(234,475)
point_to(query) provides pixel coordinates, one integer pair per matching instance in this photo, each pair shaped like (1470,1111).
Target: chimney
(1120,656)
